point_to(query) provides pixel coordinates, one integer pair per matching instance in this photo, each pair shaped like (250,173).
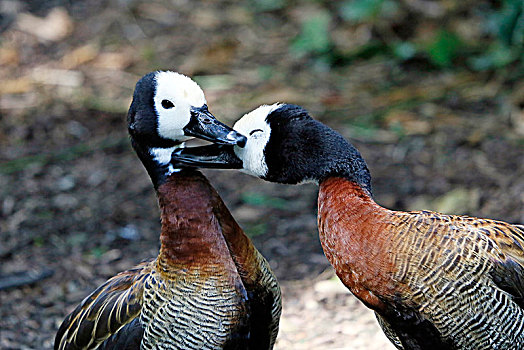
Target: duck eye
(254,131)
(167,104)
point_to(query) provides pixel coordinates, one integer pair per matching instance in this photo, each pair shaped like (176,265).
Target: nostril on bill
(240,139)
(242,142)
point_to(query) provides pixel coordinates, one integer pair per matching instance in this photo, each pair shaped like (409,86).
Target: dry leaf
(63,77)
(213,59)
(56,26)
(411,123)
(205,18)
(113,60)
(9,56)
(16,86)
(79,56)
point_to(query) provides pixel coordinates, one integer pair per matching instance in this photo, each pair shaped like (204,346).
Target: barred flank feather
(110,307)
(209,288)
(435,281)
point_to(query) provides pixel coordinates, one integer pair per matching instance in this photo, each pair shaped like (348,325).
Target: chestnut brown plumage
(434,281)
(209,287)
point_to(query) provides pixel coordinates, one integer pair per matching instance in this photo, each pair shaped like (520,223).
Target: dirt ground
(76,205)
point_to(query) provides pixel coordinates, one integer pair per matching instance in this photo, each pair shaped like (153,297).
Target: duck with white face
(435,281)
(168,109)
(209,287)
(284,145)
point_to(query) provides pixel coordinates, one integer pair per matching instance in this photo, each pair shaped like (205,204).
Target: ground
(76,205)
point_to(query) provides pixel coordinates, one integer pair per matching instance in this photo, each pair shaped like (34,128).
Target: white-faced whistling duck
(209,288)
(434,281)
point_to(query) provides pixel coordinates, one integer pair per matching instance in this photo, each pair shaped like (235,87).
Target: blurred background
(431,92)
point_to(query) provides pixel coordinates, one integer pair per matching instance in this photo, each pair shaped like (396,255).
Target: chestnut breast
(354,235)
(192,235)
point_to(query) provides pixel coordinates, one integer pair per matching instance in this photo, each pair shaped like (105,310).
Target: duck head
(169,108)
(284,145)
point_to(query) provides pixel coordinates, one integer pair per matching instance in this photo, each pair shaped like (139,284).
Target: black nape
(301,149)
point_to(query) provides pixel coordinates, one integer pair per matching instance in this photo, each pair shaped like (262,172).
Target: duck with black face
(208,288)
(434,281)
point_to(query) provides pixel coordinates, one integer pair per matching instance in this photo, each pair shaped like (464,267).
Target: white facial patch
(182,93)
(254,126)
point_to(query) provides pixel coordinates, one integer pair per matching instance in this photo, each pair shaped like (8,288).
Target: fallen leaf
(16,86)
(9,56)
(56,26)
(63,77)
(213,59)
(205,18)
(411,123)
(79,56)
(112,60)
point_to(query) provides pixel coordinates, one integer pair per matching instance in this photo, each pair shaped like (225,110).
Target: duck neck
(339,158)
(346,214)
(342,160)
(351,167)
(354,236)
(156,161)
(191,234)
(339,189)
(314,152)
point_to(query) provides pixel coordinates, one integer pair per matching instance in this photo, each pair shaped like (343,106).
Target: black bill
(205,126)
(211,156)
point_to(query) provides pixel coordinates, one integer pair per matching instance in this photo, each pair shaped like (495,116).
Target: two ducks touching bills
(434,281)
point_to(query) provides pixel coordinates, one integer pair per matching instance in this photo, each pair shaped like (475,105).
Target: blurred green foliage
(97,252)
(366,10)
(314,36)
(254,230)
(444,47)
(507,27)
(478,35)
(509,23)
(261,200)
(38,241)
(267,5)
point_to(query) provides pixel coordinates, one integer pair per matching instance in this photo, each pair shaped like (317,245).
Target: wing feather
(104,312)
(259,280)
(508,268)
(446,260)
(505,244)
